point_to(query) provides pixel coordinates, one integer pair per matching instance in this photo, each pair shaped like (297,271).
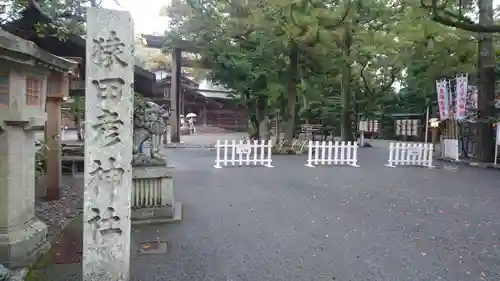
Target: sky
(146,17)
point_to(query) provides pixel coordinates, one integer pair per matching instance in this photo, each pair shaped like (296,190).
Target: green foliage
(74,108)
(40,160)
(350,53)
(67,16)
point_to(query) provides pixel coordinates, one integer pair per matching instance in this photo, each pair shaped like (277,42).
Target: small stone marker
(154,248)
(108,145)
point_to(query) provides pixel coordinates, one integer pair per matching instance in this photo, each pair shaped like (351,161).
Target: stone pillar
(22,235)
(57,90)
(23,238)
(175,84)
(109,101)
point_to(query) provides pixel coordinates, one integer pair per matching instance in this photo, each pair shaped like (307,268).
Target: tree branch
(243,36)
(392,78)
(303,29)
(363,78)
(341,20)
(383,88)
(446,17)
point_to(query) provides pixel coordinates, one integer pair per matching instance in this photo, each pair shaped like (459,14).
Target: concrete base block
(22,246)
(166,214)
(19,274)
(153,196)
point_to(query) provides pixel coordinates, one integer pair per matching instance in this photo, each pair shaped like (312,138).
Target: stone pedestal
(23,238)
(153,196)
(22,235)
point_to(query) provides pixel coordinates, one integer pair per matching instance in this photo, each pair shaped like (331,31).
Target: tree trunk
(346,114)
(264,129)
(486,87)
(278,126)
(263,120)
(289,127)
(252,116)
(255,125)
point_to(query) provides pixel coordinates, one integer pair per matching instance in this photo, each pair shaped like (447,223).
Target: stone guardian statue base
(153,187)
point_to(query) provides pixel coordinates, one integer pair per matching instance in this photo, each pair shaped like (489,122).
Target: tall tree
(343,57)
(458,16)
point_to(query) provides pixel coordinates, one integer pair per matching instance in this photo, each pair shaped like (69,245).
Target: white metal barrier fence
(332,153)
(450,148)
(410,154)
(243,153)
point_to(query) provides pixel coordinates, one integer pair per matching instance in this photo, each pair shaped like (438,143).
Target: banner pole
(427,125)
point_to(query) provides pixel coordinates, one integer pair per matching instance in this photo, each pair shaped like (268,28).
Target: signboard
(363,126)
(414,151)
(369,126)
(407,127)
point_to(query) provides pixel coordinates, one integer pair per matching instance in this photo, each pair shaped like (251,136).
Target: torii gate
(175,82)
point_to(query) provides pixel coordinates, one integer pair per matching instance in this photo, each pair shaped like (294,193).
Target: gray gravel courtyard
(292,222)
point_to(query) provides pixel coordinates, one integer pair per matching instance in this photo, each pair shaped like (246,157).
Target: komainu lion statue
(148,122)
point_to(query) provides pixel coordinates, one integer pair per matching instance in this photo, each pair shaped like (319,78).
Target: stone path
(335,223)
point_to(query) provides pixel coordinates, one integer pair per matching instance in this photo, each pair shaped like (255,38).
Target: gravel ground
(56,214)
(326,223)
(292,222)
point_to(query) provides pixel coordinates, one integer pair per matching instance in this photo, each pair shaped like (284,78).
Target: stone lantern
(165,116)
(24,72)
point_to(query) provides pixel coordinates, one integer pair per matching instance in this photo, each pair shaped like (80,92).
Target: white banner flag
(461,99)
(442,98)
(498,133)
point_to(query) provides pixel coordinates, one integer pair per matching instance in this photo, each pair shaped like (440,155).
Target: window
(4,89)
(33,90)
(3,8)
(53,87)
